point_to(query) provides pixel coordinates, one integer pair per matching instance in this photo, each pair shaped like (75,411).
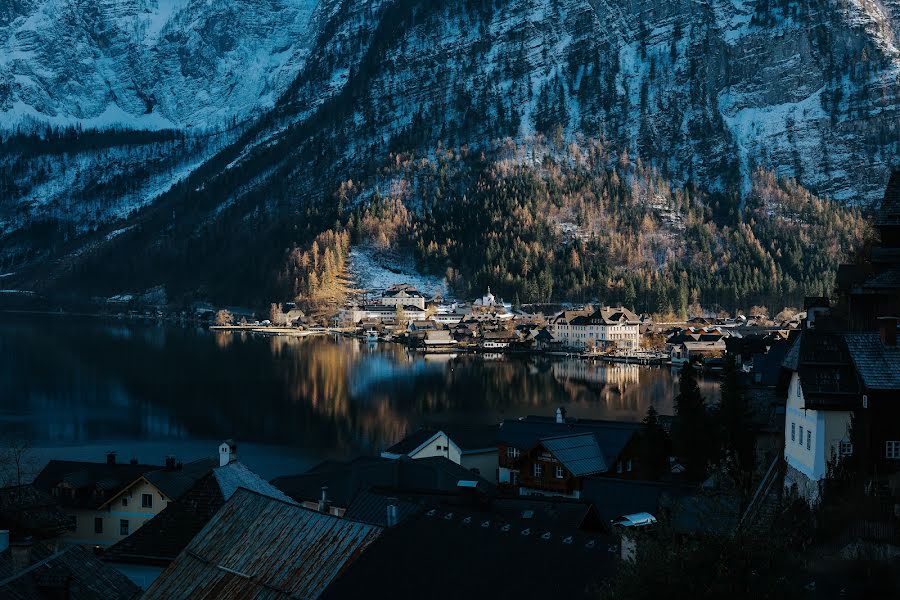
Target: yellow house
(109,501)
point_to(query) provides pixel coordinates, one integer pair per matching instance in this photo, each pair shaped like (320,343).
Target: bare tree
(18,462)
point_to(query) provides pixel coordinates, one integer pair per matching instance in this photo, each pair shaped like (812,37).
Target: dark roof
(259,547)
(347,479)
(160,540)
(27,511)
(878,365)
(889,212)
(174,483)
(92,483)
(616,497)
(526,433)
(549,512)
(768,364)
(469,438)
(886,280)
(72,573)
(579,453)
(412,441)
(372,508)
(455,554)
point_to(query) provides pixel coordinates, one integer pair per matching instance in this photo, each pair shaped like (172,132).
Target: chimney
(110,458)
(227,452)
(324,503)
(4,539)
(560,415)
(391,514)
(170,463)
(20,552)
(887,326)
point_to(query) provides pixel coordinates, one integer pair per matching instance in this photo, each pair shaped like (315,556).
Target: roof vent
(486,524)
(526,531)
(567,539)
(546,536)
(505,527)
(448,516)
(527,514)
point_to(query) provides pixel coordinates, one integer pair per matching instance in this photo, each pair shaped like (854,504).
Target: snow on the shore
(375,270)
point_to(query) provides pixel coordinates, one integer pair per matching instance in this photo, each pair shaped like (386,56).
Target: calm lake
(80,387)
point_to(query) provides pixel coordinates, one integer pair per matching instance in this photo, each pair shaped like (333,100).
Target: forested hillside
(580,225)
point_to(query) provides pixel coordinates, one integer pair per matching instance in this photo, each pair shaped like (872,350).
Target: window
(559,472)
(793,431)
(808,439)
(892,450)
(124,500)
(98,524)
(800,441)
(538,470)
(628,467)
(513,477)
(123,527)
(619,467)
(146,500)
(512,452)
(798,387)
(846,448)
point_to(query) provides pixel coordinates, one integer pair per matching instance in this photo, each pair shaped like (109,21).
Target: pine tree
(736,429)
(691,431)
(654,452)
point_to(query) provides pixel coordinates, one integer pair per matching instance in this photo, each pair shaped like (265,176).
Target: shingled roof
(72,573)
(88,484)
(878,365)
(160,540)
(611,436)
(259,547)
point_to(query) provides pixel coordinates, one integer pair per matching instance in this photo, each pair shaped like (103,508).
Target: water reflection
(77,382)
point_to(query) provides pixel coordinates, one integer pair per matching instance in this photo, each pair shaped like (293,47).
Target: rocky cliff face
(147,63)
(704,91)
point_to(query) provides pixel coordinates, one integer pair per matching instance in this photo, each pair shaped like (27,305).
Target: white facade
(811,439)
(583,331)
(403,298)
(483,461)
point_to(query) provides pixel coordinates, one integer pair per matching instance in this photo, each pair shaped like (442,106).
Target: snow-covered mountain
(147,63)
(705,90)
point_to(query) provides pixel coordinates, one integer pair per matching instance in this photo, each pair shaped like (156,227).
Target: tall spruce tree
(692,431)
(654,447)
(736,429)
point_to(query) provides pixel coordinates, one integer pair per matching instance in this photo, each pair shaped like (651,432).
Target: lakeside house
(97,496)
(608,328)
(145,554)
(402,294)
(553,456)
(841,378)
(472,447)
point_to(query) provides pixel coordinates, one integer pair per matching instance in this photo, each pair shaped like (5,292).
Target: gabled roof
(878,365)
(345,480)
(579,453)
(259,547)
(160,540)
(526,433)
(92,483)
(469,438)
(72,573)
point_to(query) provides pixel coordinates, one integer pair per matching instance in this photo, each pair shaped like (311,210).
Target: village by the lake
(801,445)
